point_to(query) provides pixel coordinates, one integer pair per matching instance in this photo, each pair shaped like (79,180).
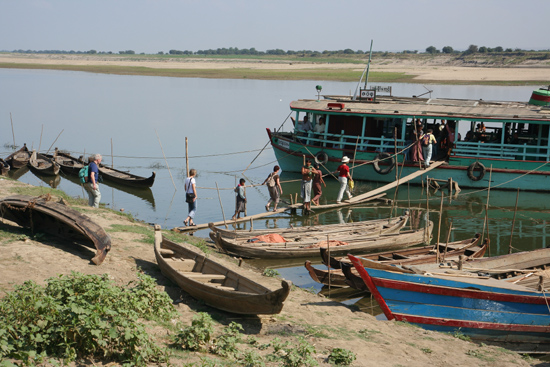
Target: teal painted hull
(504,174)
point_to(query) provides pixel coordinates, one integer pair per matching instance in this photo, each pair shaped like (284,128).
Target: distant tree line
(472,49)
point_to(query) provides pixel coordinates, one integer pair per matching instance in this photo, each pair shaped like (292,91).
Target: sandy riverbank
(324,323)
(437,70)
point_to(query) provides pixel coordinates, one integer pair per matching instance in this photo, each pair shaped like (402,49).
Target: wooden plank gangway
(359,199)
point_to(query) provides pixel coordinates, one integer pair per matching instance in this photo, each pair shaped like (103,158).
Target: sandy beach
(423,70)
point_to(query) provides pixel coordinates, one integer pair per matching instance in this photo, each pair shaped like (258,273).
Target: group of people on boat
(437,141)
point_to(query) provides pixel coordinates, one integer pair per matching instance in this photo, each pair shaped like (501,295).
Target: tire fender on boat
(476,166)
(321,158)
(381,157)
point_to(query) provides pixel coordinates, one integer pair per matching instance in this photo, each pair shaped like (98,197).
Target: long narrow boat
(126,178)
(510,312)
(40,214)
(472,135)
(69,165)
(224,286)
(344,274)
(338,245)
(19,158)
(41,165)
(384,225)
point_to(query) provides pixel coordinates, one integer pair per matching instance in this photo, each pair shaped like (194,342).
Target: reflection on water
(128,111)
(52,181)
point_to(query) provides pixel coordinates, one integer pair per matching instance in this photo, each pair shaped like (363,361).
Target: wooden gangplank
(391,185)
(278,211)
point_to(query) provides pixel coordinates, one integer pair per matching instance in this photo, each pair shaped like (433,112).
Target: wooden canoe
(513,315)
(223,286)
(40,214)
(19,158)
(383,224)
(126,178)
(69,165)
(41,165)
(367,229)
(348,276)
(301,249)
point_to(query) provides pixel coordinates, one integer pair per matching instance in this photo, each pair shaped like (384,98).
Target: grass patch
(147,232)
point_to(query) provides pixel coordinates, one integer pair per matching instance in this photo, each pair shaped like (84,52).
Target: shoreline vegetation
(513,69)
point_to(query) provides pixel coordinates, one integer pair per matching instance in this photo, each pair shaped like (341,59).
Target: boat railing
(349,142)
(502,151)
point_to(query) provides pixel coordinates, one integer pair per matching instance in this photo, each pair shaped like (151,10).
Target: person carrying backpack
(274,188)
(427,140)
(92,184)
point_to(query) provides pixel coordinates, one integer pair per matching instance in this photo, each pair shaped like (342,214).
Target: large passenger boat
(382,134)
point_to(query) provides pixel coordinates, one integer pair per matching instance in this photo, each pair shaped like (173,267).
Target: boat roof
(452,109)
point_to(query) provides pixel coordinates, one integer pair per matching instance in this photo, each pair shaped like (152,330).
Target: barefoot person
(240,205)
(317,189)
(191,197)
(307,175)
(274,188)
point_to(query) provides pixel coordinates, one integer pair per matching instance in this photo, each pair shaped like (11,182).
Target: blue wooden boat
(380,132)
(513,312)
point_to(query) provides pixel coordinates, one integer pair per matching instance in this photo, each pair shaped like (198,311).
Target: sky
(151,26)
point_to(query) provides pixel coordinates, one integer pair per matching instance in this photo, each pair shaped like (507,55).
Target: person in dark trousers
(240,205)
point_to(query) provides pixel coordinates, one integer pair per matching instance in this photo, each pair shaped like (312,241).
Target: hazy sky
(151,26)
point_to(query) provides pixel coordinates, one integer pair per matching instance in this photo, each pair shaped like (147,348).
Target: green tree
(447,50)
(472,49)
(432,50)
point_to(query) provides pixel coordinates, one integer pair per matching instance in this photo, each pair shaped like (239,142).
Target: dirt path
(323,323)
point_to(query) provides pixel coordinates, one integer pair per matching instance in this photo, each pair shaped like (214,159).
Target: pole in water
(12,132)
(221,205)
(513,223)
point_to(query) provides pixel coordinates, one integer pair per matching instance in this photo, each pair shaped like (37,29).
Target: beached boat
(511,312)
(19,158)
(41,165)
(68,164)
(224,286)
(472,136)
(126,178)
(382,225)
(339,244)
(40,214)
(342,274)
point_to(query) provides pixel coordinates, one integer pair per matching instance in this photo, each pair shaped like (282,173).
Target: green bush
(341,357)
(79,316)
(198,335)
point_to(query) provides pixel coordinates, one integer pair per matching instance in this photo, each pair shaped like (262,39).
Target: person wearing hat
(343,177)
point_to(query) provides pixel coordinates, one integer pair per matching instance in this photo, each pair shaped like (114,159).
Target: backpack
(270,181)
(83,174)
(426,140)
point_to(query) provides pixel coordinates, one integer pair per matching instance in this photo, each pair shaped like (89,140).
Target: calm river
(139,123)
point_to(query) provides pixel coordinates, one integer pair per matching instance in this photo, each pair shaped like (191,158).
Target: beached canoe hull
(373,242)
(41,215)
(493,311)
(222,286)
(42,165)
(19,158)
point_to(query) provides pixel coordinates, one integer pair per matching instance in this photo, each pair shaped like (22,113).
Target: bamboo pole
(447,243)
(485,222)
(55,141)
(12,132)
(186,158)
(40,143)
(439,227)
(328,262)
(221,205)
(112,157)
(354,155)
(427,211)
(166,161)
(513,223)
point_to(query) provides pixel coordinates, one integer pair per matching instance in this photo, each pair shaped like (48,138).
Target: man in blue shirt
(92,185)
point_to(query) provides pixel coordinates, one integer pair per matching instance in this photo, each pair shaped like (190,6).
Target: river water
(140,123)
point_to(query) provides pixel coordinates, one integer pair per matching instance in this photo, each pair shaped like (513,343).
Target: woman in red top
(343,176)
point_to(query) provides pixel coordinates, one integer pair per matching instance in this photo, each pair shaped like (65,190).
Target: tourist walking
(92,185)
(191,197)
(427,145)
(343,177)
(274,187)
